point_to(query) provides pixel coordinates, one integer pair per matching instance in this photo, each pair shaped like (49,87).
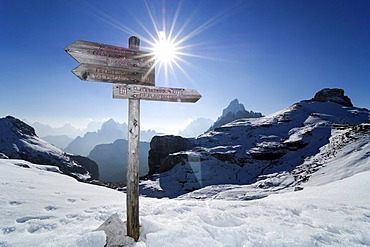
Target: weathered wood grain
(132,202)
(132,175)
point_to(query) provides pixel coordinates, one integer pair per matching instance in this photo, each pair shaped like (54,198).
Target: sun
(165,50)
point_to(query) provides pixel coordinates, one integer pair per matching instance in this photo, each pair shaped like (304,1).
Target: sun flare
(165,50)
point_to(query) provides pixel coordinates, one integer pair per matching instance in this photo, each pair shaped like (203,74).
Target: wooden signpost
(124,91)
(108,63)
(132,72)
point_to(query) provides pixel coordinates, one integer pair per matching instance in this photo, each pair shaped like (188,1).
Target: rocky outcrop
(161,147)
(335,95)
(268,150)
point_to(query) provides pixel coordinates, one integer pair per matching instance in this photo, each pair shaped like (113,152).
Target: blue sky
(268,54)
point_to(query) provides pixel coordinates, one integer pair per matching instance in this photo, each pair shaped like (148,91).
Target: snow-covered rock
(18,140)
(269,153)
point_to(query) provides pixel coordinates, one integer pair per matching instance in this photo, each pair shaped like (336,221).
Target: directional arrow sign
(92,72)
(86,52)
(124,91)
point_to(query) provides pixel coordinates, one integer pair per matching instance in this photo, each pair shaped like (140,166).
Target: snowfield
(45,208)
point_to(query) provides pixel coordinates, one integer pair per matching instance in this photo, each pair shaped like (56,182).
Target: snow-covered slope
(19,141)
(269,154)
(42,208)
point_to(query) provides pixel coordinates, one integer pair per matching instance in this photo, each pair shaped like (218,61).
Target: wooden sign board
(86,52)
(92,72)
(124,91)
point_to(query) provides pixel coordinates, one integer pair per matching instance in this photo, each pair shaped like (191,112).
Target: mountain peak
(234,111)
(20,127)
(110,124)
(233,107)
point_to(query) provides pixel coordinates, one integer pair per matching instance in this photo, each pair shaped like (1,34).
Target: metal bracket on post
(132,203)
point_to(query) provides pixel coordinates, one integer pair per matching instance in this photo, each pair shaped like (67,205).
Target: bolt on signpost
(132,72)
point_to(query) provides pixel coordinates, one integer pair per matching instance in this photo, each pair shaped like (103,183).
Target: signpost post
(132,72)
(132,191)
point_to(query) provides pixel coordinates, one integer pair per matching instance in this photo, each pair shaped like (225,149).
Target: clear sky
(269,54)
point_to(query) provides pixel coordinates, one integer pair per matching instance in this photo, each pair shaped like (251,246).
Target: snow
(44,208)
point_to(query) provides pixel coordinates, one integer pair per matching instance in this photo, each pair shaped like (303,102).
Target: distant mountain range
(112,160)
(109,132)
(82,141)
(67,129)
(106,146)
(62,136)
(269,154)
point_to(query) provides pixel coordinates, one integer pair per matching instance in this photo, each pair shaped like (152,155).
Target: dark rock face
(87,164)
(268,151)
(167,163)
(161,147)
(335,95)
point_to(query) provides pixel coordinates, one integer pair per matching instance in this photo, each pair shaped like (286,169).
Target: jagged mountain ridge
(18,140)
(268,153)
(232,112)
(109,132)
